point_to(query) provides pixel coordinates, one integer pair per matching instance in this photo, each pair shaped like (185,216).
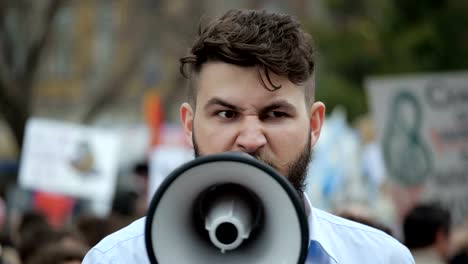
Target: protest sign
(422,124)
(69,159)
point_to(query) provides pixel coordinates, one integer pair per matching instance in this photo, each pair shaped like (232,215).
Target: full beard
(296,170)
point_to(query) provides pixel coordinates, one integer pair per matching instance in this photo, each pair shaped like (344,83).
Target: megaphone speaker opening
(226,233)
(227,215)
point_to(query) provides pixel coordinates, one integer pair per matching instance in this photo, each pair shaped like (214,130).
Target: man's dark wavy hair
(273,42)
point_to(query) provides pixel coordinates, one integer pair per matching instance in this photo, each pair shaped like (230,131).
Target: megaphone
(226,208)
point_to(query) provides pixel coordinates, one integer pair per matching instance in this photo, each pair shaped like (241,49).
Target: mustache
(263,157)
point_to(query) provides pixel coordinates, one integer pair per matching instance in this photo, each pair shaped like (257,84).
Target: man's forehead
(218,69)
(222,76)
(243,87)
(246,98)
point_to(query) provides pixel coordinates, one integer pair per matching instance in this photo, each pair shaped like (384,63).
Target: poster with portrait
(422,125)
(69,159)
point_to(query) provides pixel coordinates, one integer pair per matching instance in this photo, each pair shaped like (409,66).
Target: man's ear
(317,117)
(186,116)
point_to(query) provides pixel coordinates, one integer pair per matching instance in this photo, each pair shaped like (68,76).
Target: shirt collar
(316,232)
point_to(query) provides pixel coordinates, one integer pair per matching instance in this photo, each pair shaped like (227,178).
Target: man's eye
(227,114)
(276,114)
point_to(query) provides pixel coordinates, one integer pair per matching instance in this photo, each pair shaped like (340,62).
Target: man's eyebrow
(218,101)
(284,105)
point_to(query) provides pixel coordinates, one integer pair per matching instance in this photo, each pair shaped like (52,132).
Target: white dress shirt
(333,240)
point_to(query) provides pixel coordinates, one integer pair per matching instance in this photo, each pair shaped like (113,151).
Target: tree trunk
(16,117)
(16,85)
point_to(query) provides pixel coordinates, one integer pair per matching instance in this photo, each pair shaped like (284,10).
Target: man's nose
(251,136)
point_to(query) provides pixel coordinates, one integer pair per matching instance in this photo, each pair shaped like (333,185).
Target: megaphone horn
(226,208)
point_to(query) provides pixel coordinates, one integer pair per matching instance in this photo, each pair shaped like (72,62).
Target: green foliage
(357,39)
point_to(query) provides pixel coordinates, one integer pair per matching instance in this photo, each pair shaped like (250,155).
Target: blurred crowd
(427,232)
(32,238)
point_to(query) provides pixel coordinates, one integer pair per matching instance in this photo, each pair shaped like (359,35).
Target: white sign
(69,159)
(422,124)
(163,160)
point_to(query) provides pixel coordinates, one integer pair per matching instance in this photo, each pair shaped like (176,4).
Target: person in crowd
(35,235)
(60,247)
(94,229)
(8,254)
(251,89)
(426,230)
(141,176)
(460,257)
(124,210)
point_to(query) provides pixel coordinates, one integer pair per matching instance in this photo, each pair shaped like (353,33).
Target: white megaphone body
(226,208)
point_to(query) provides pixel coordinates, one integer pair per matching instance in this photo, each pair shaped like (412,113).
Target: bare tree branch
(117,83)
(114,87)
(141,26)
(36,48)
(2,11)
(14,115)
(8,87)
(16,87)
